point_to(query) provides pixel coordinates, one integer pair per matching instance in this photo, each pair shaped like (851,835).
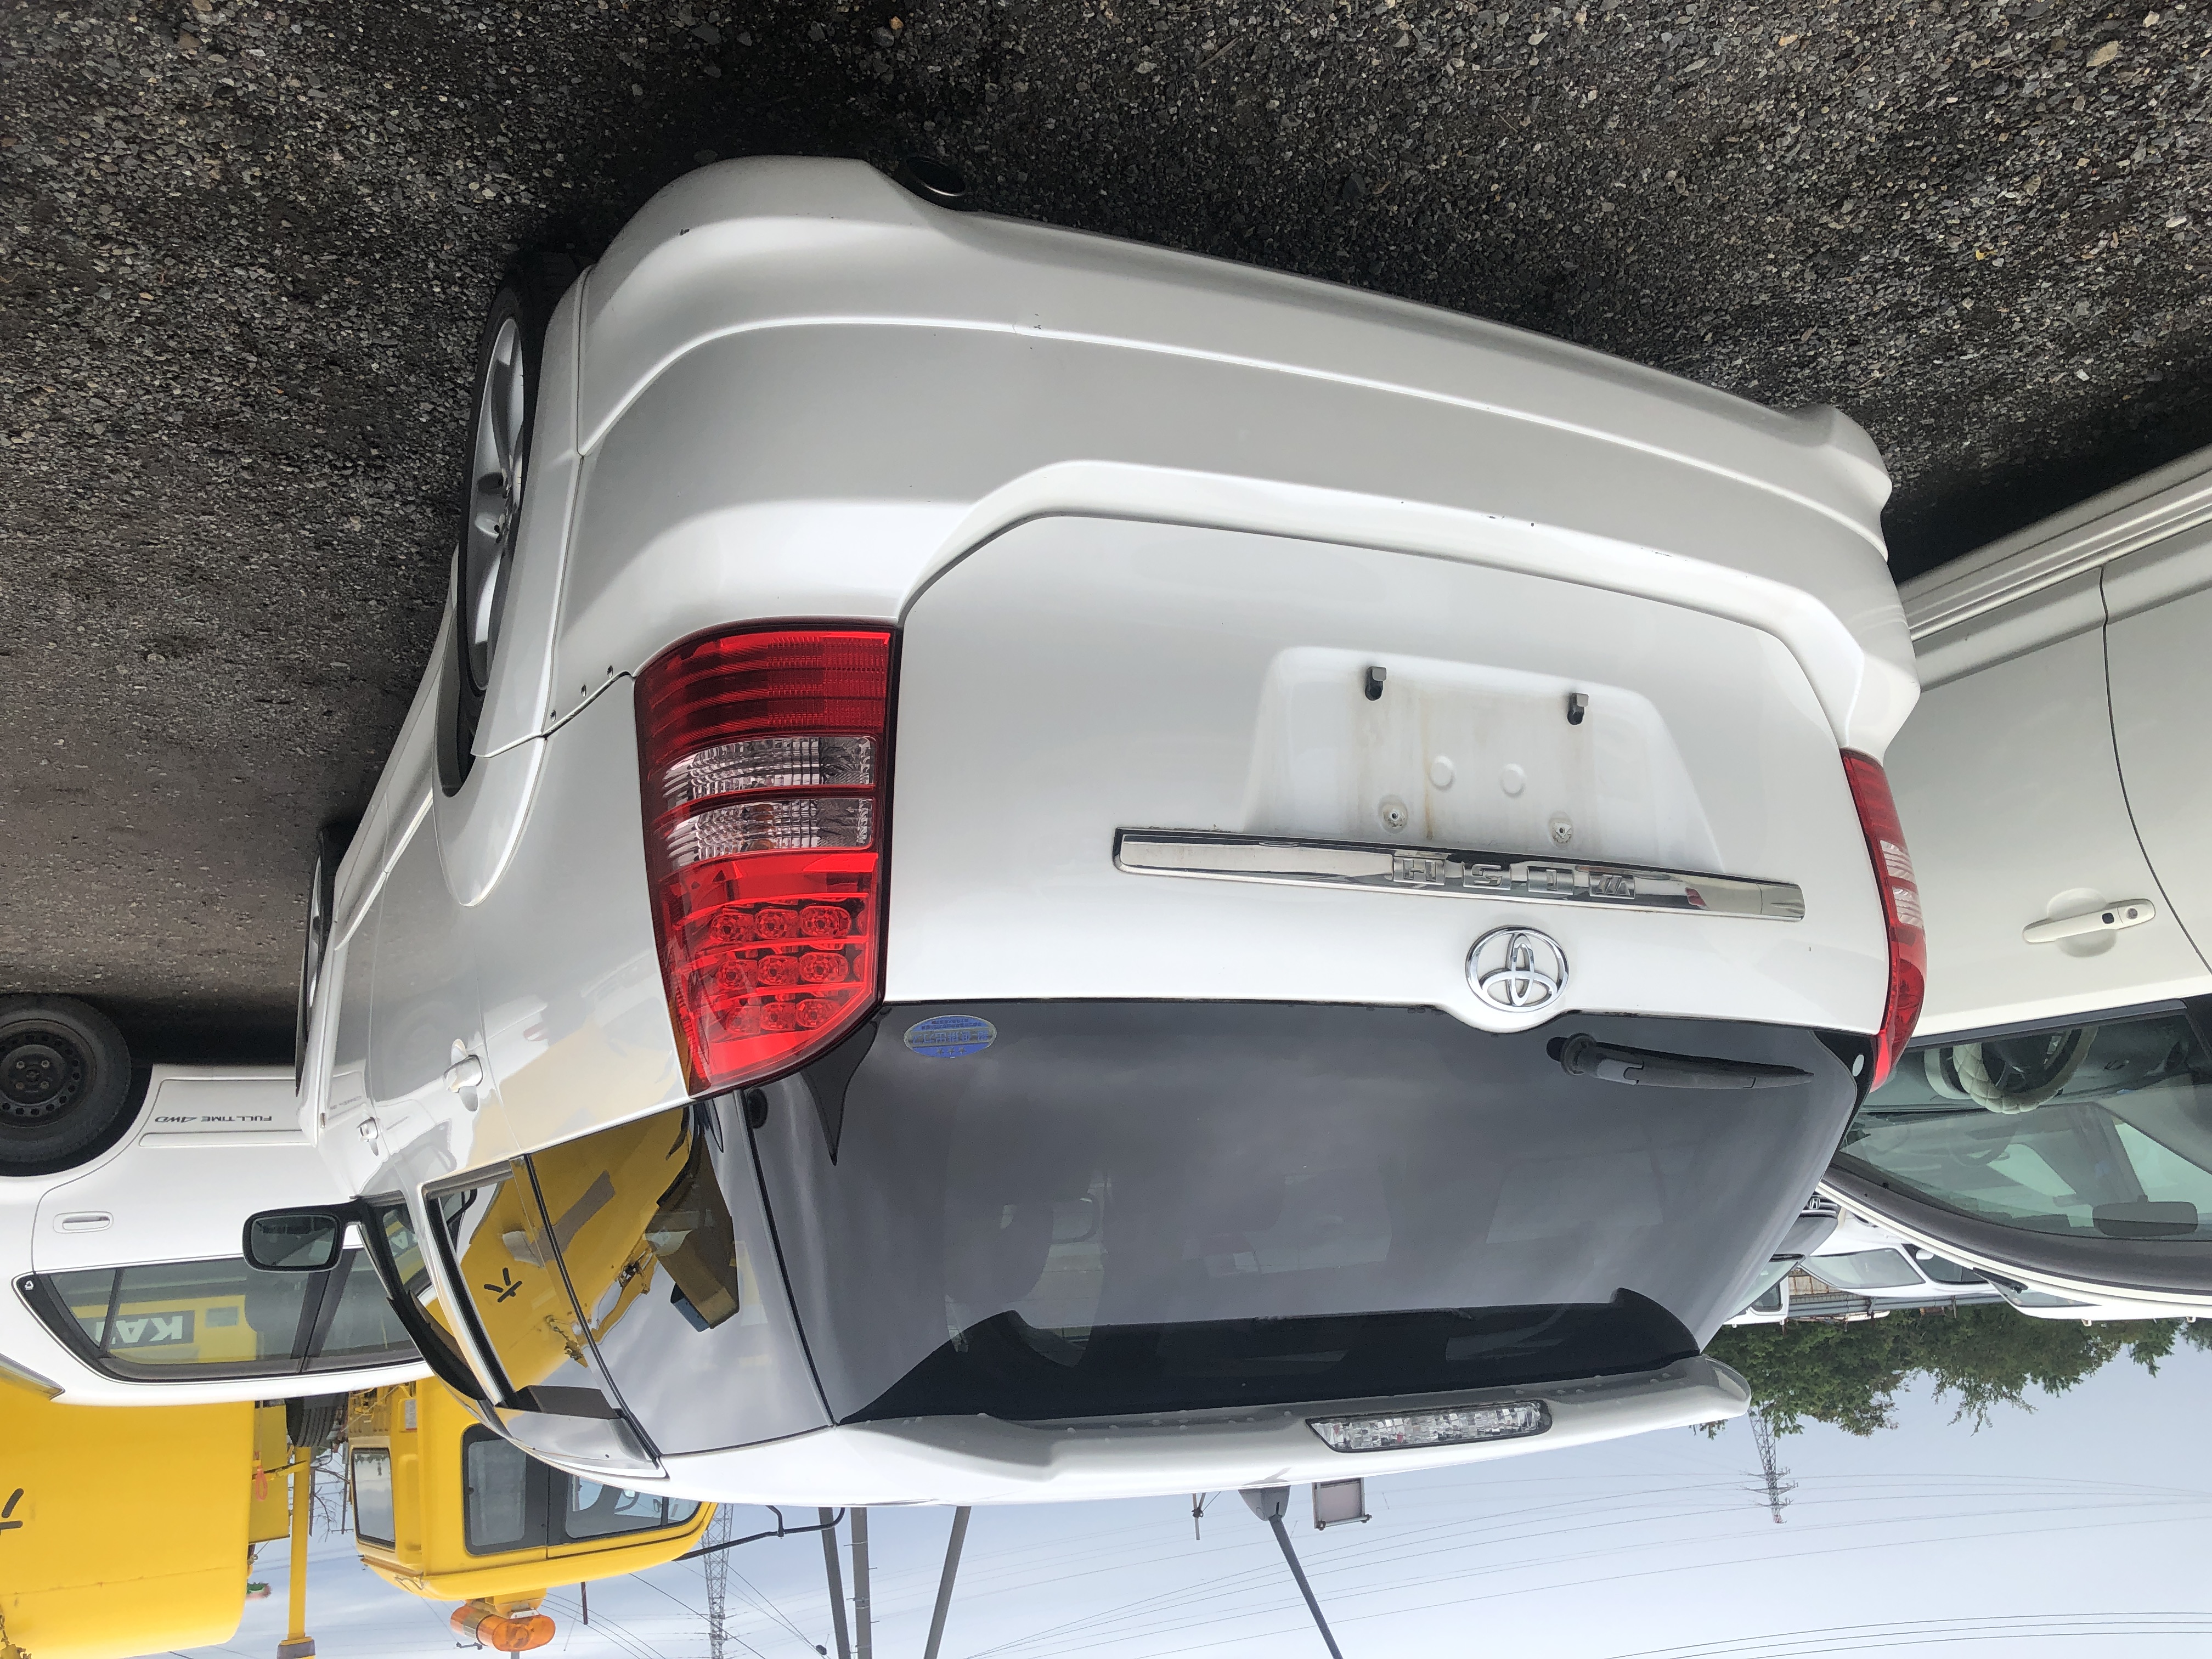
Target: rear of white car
(927,625)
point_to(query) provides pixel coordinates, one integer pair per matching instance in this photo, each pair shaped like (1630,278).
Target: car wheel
(64,1079)
(494,471)
(329,849)
(313,1422)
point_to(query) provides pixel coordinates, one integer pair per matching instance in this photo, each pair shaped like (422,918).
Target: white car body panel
(2058,763)
(2159,603)
(211,1145)
(2010,789)
(982,1461)
(1025,739)
(803,393)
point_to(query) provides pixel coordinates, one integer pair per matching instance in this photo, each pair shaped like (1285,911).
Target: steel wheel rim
(495,494)
(42,1075)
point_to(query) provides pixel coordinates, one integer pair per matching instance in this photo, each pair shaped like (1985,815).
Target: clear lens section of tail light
(762,753)
(1451,1426)
(727,769)
(772,826)
(1901,911)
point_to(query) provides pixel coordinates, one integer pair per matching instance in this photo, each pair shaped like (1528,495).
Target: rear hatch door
(1076,678)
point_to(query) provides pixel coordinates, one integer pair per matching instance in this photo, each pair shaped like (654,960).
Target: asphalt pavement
(243,250)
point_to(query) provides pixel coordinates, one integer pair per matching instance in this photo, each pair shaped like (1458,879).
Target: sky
(2081,1529)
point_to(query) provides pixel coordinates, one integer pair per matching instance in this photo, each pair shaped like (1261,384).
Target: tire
(330,844)
(313,1423)
(64,1080)
(494,474)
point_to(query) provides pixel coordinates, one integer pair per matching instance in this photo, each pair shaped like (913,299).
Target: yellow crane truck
(130,1529)
(447,1510)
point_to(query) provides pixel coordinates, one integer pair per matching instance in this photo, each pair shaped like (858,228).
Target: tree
(1848,1374)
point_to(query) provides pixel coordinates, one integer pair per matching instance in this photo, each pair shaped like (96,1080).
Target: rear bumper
(801,392)
(983,1461)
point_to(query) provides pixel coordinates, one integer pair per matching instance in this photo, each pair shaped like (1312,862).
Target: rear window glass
(613,1275)
(1140,1208)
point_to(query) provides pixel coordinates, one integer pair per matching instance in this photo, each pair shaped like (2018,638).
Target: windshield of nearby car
(1944,1271)
(222,1318)
(1863,1270)
(2092,1129)
(1117,1207)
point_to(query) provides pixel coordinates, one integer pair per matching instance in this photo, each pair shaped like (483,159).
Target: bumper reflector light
(1901,911)
(1450,1426)
(761,754)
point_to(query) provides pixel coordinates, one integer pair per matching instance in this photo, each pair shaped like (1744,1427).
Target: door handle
(466,1072)
(2105,919)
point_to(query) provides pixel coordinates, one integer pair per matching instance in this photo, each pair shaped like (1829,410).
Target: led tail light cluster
(1450,1425)
(1900,910)
(763,754)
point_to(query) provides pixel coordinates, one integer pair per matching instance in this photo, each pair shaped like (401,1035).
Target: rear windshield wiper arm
(1583,1055)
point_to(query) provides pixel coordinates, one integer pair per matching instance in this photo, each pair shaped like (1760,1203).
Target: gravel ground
(243,250)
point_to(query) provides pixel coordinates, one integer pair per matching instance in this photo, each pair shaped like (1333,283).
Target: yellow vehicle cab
(447,1510)
(129,1529)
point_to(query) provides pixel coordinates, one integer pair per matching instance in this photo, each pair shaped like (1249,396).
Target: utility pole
(863,1630)
(829,1535)
(1771,1486)
(1269,1504)
(297,1643)
(1197,1513)
(716,1569)
(944,1581)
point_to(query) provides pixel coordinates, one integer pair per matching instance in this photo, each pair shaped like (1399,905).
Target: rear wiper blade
(1583,1055)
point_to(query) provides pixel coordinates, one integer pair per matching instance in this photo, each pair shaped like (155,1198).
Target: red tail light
(1900,909)
(763,755)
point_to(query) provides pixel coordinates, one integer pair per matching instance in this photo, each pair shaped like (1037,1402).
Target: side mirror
(295,1241)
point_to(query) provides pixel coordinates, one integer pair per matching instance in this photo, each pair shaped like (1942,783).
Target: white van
(1850,1267)
(2052,1125)
(125,1282)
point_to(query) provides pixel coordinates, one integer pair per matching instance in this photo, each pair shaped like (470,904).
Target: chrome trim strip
(1450,872)
(2170,502)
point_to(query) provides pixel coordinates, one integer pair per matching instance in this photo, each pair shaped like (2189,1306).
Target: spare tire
(64,1080)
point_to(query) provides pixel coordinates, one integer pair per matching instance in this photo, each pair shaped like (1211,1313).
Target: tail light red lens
(1900,910)
(763,754)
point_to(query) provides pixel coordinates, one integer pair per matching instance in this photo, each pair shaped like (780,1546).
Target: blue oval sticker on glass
(951,1036)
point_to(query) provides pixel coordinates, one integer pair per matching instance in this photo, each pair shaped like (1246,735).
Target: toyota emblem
(1517,969)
